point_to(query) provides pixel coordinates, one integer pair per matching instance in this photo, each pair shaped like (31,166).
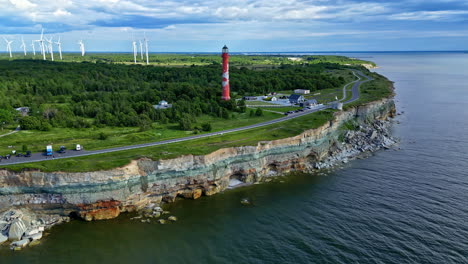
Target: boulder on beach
(3,238)
(162,221)
(245,201)
(21,243)
(172,218)
(17,229)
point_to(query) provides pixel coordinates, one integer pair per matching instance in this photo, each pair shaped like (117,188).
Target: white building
(301,91)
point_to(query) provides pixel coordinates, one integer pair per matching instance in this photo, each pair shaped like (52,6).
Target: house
(301,91)
(296,98)
(310,102)
(274,99)
(249,98)
(162,105)
(23,110)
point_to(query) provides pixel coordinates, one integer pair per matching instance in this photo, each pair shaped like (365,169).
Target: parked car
(78,147)
(28,154)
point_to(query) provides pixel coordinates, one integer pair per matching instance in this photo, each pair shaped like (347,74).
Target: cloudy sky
(244,25)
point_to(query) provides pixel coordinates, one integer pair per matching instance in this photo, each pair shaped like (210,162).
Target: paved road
(71,153)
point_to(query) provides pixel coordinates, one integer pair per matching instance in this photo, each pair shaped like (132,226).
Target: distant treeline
(96,94)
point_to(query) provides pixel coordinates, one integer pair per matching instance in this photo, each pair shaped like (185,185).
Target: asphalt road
(35,157)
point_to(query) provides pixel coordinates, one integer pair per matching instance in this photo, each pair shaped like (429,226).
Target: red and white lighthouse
(226,93)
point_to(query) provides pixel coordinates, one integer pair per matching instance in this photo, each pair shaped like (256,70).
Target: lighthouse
(226,94)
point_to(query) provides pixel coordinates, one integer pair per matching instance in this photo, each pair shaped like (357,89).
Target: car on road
(78,147)
(62,150)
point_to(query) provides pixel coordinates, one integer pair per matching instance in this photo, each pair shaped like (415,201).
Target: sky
(243,25)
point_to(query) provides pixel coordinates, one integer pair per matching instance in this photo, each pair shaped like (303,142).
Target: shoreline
(145,184)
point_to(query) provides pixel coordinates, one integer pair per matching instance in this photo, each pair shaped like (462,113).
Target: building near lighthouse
(225,82)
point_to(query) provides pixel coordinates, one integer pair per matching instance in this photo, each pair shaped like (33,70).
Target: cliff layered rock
(105,194)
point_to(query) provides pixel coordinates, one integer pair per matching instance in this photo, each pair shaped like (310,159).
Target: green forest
(83,95)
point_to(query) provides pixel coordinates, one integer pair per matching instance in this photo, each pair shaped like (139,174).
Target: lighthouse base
(225,98)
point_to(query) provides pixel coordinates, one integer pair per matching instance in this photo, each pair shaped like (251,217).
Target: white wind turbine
(23,45)
(8,46)
(50,48)
(135,51)
(59,44)
(33,48)
(141,49)
(41,44)
(146,50)
(82,47)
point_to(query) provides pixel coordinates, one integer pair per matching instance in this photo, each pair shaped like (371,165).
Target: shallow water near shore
(406,206)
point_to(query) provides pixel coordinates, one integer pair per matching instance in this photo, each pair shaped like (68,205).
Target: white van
(78,147)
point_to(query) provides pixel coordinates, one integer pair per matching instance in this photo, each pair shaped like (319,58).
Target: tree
(206,127)
(259,112)
(185,122)
(144,122)
(29,122)
(6,117)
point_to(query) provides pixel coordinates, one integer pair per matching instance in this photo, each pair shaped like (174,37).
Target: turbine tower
(135,51)
(82,48)
(226,94)
(146,50)
(23,45)
(50,48)
(33,48)
(41,44)
(59,45)
(8,46)
(141,49)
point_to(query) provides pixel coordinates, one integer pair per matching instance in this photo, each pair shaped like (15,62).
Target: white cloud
(22,4)
(430,15)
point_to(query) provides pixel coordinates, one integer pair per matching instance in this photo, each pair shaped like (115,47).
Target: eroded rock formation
(105,194)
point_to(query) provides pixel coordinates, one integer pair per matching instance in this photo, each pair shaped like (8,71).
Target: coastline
(146,184)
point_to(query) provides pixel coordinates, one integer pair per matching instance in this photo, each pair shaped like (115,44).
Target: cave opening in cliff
(236,179)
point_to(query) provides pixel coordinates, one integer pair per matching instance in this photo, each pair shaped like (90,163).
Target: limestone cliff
(104,194)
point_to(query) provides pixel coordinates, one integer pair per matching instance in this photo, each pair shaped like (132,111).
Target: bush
(102,136)
(259,112)
(206,127)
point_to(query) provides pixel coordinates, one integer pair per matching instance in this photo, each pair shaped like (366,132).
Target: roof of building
(295,96)
(162,102)
(312,101)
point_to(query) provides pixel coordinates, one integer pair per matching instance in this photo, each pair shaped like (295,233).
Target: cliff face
(104,194)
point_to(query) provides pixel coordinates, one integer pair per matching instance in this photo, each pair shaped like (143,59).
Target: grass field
(117,136)
(195,147)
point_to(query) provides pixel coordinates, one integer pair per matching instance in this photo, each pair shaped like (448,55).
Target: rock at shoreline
(16,231)
(3,238)
(172,218)
(21,244)
(245,201)
(162,221)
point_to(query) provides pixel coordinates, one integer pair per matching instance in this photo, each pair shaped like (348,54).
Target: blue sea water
(405,206)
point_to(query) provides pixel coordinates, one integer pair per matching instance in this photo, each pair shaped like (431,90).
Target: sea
(404,205)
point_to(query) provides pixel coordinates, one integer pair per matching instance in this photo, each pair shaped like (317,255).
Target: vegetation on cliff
(90,104)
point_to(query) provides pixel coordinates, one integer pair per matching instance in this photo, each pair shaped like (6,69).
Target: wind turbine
(8,43)
(135,51)
(59,44)
(82,47)
(23,45)
(141,49)
(50,49)
(146,50)
(41,43)
(33,48)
